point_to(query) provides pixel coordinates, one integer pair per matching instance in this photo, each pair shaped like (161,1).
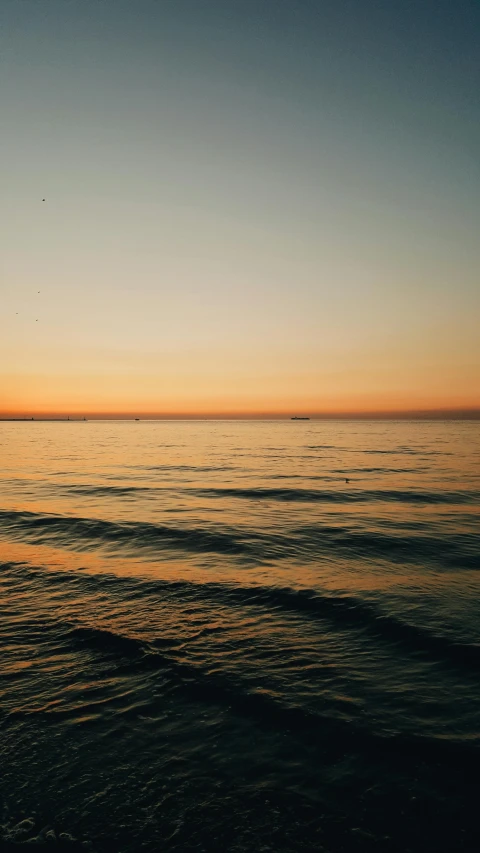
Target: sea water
(229,635)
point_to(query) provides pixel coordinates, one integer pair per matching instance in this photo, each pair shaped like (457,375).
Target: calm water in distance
(212,641)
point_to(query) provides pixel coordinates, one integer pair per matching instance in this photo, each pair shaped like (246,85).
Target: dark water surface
(211,641)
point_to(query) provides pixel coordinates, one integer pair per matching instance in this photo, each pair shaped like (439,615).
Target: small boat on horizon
(295,418)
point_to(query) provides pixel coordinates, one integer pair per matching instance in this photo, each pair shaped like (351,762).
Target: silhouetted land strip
(43,420)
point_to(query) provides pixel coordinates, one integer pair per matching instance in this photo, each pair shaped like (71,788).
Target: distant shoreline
(45,420)
(396,416)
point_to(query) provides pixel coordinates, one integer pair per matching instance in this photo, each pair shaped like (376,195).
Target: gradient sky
(251,206)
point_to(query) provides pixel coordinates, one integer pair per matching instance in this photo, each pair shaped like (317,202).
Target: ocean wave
(108,491)
(351,496)
(196,468)
(404,451)
(459,550)
(379,470)
(72,531)
(267,707)
(338,610)
(105,640)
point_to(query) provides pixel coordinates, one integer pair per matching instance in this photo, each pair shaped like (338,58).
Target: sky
(252,207)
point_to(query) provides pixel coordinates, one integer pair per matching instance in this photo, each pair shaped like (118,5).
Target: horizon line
(398,414)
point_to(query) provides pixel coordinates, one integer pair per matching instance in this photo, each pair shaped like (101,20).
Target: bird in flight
(43,199)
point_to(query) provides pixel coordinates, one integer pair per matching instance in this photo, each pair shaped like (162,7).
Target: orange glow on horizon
(392,411)
(253,383)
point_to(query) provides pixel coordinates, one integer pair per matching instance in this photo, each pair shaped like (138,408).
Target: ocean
(240,636)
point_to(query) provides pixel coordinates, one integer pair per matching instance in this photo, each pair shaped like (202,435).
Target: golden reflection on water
(260,479)
(344,577)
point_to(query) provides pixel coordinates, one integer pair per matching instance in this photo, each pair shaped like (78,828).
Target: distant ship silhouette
(295,418)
